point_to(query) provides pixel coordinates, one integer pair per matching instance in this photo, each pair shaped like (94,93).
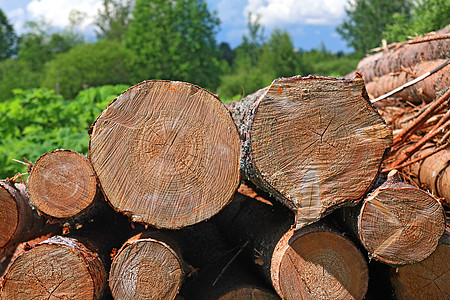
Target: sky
(309,22)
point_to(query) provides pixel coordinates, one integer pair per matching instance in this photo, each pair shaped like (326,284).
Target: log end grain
(310,133)
(59,267)
(400,224)
(9,216)
(428,279)
(166,154)
(320,264)
(146,268)
(62,184)
(249,293)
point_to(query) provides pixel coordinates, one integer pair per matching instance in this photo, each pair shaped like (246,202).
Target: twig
(410,83)
(422,118)
(229,263)
(28,164)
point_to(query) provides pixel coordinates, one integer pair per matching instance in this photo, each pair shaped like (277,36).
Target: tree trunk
(405,55)
(313,262)
(60,267)
(315,143)
(166,154)
(400,224)
(62,185)
(146,267)
(424,91)
(18,223)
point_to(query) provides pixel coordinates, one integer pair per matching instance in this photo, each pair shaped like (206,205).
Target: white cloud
(17,18)
(276,13)
(57,11)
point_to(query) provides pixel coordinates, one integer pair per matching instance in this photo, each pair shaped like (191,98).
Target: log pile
(278,195)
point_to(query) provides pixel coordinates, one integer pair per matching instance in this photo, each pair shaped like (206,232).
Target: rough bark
(313,262)
(400,224)
(60,267)
(166,154)
(315,143)
(146,267)
(405,55)
(18,222)
(424,91)
(62,185)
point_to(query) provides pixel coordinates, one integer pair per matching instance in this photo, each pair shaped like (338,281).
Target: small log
(166,154)
(314,143)
(60,267)
(428,279)
(146,267)
(400,224)
(62,185)
(313,262)
(405,55)
(424,91)
(18,222)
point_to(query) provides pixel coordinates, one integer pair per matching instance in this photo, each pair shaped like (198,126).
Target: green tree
(8,38)
(426,16)
(88,65)
(366,21)
(174,40)
(113,19)
(16,74)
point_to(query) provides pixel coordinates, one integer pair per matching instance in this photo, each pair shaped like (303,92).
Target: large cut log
(146,267)
(426,280)
(166,153)
(406,55)
(314,262)
(315,143)
(398,223)
(62,185)
(60,267)
(18,222)
(423,91)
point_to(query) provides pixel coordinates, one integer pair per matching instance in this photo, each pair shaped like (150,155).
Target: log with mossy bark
(18,221)
(166,154)
(310,263)
(314,143)
(62,185)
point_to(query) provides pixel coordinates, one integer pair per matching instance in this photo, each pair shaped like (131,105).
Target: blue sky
(309,22)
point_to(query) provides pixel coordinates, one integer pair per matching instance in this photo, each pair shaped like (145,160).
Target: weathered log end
(9,215)
(146,268)
(319,264)
(166,154)
(315,143)
(400,224)
(59,267)
(62,184)
(250,293)
(428,279)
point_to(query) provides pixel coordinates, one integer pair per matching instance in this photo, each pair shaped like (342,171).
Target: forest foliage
(53,84)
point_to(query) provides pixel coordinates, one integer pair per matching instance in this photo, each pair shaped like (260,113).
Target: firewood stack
(281,194)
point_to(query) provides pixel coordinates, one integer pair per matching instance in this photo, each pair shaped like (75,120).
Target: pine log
(166,154)
(18,222)
(428,279)
(311,263)
(314,143)
(62,184)
(60,267)
(405,55)
(423,91)
(400,224)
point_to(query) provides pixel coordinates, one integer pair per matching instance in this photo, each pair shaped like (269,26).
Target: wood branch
(58,267)
(62,185)
(426,280)
(145,266)
(301,136)
(400,224)
(313,262)
(166,154)
(405,55)
(425,90)
(18,221)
